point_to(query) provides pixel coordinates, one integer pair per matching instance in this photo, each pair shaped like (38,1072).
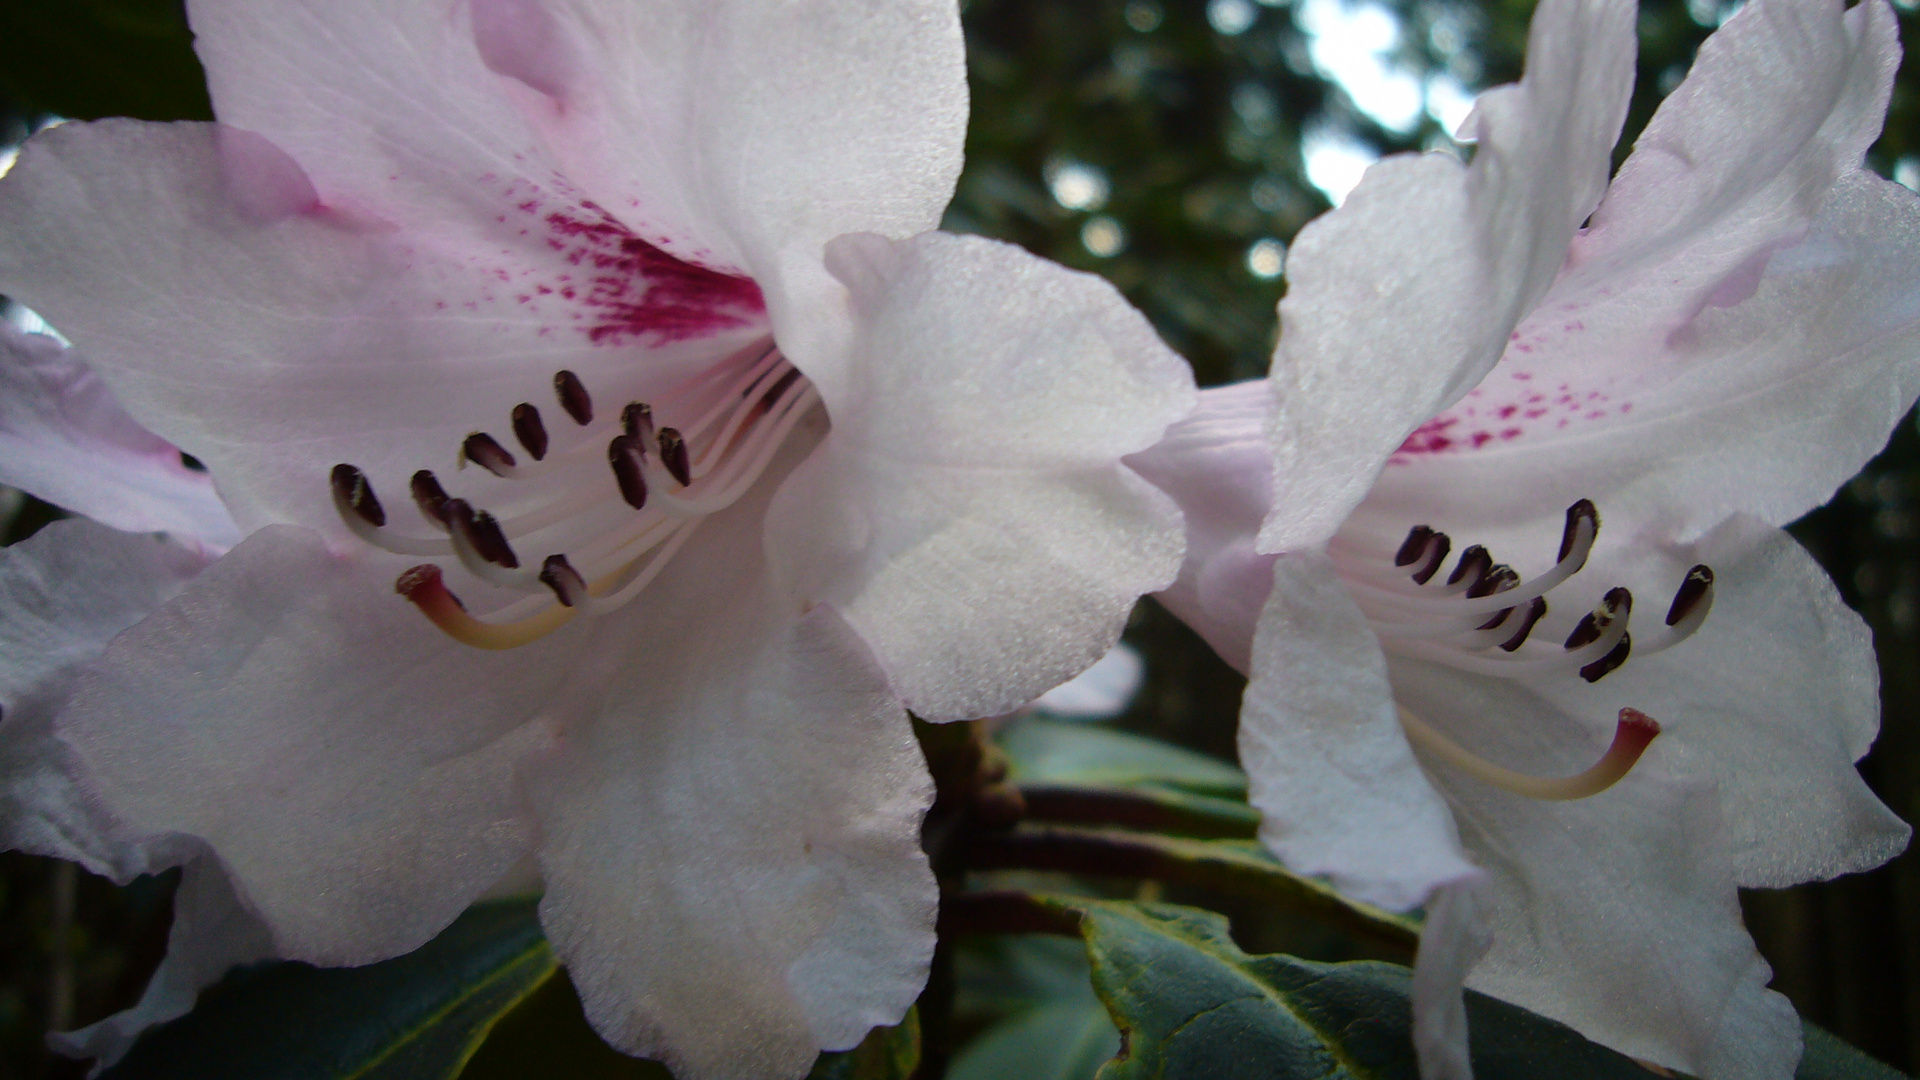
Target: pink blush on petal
(621,289)
(1478,422)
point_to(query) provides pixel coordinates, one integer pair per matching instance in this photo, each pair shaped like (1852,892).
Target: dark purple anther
(531,432)
(481,449)
(352,491)
(1472,567)
(481,532)
(1413,545)
(430,497)
(637,421)
(1528,619)
(1582,513)
(1617,604)
(1498,579)
(1696,587)
(1604,666)
(673,454)
(573,397)
(623,453)
(1438,545)
(567,584)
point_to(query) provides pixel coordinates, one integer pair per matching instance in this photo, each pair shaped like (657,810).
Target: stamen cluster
(1481,619)
(664,480)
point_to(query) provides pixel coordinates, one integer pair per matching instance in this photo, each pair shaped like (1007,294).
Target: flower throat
(1481,618)
(613,506)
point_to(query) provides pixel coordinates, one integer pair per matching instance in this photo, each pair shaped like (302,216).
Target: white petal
(1453,938)
(969,513)
(1774,699)
(64,438)
(735,135)
(731,849)
(1761,407)
(272,335)
(64,593)
(1779,104)
(1218,466)
(1616,914)
(1327,763)
(1402,298)
(721,131)
(349,765)
(212,933)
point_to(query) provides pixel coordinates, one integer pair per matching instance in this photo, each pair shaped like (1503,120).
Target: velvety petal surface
(736,135)
(1217,465)
(1773,700)
(64,593)
(1778,105)
(1402,299)
(1763,406)
(1327,763)
(1615,913)
(731,848)
(272,335)
(212,933)
(718,131)
(969,514)
(1453,938)
(349,765)
(64,439)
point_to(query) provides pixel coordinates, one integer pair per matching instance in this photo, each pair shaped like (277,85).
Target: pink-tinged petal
(1402,299)
(1781,103)
(722,132)
(212,933)
(969,513)
(273,345)
(1327,762)
(64,593)
(732,135)
(731,847)
(1453,938)
(1761,407)
(1217,465)
(65,439)
(1617,913)
(350,767)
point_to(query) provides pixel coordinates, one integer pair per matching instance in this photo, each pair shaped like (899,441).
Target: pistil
(1631,736)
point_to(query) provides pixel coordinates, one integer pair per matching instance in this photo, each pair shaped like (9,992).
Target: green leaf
(1066,1040)
(1050,752)
(1238,867)
(547,1035)
(1032,1000)
(1829,1057)
(93,58)
(415,1017)
(888,1053)
(1192,1005)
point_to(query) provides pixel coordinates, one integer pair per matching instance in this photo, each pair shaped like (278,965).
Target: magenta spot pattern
(613,286)
(1522,397)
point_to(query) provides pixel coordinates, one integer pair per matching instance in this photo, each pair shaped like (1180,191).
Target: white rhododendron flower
(1606,423)
(612,336)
